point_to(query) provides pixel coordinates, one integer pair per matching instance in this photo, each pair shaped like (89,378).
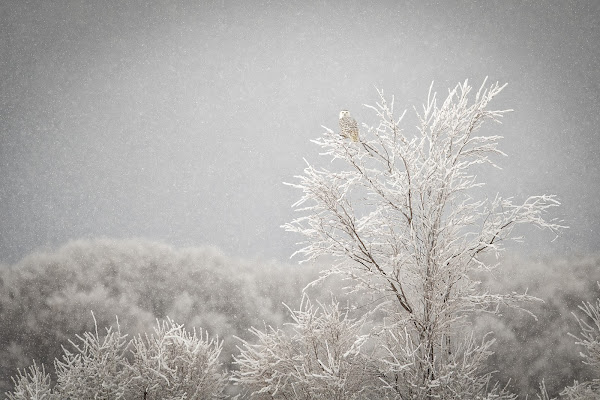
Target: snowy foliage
(590,339)
(321,357)
(171,364)
(398,212)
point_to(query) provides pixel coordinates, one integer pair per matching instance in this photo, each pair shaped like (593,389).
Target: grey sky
(179,121)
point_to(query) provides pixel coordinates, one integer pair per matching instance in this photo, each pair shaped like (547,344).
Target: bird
(348,126)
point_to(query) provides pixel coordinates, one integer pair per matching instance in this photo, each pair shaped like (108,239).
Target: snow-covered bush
(97,367)
(175,364)
(170,364)
(32,384)
(321,356)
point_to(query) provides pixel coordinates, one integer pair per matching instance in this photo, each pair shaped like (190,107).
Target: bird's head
(344,113)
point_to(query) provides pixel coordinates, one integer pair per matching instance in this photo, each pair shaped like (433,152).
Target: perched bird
(348,126)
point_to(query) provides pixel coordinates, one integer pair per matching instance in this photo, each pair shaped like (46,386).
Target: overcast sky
(179,121)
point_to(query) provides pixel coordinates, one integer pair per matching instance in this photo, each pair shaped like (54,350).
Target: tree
(401,217)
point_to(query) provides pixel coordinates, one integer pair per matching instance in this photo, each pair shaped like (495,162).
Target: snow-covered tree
(404,218)
(320,357)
